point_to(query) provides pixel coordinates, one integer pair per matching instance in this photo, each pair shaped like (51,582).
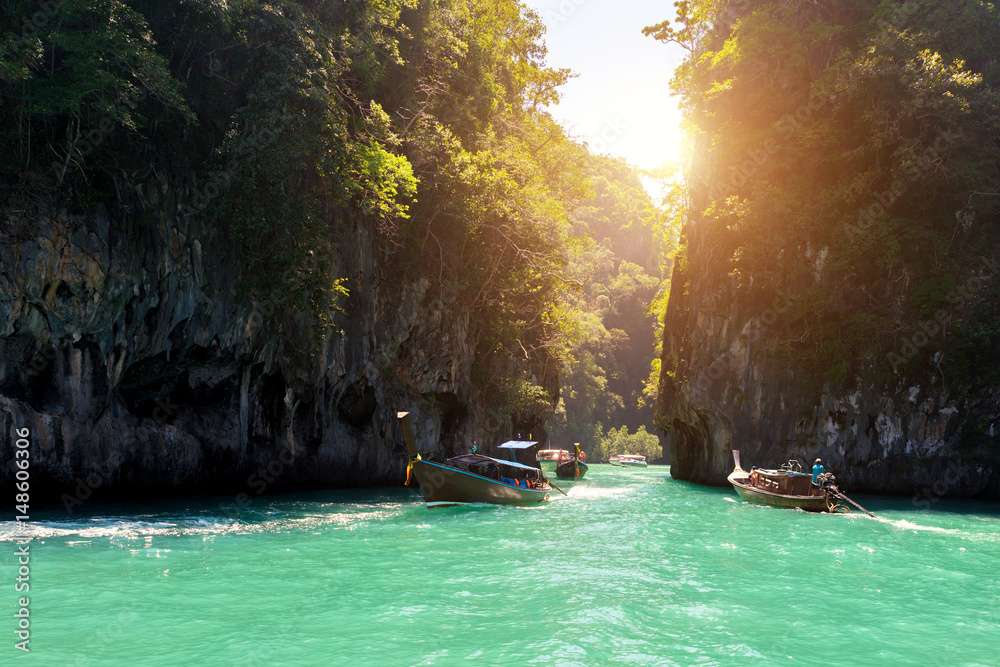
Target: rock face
(720,391)
(126,353)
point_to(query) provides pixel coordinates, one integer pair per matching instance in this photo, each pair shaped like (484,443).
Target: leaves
(838,149)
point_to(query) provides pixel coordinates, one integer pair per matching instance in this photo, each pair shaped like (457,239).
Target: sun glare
(619,102)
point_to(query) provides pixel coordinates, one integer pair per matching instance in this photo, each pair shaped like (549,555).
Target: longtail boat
(520,451)
(550,459)
(786,487)
(574,467)
(472,478)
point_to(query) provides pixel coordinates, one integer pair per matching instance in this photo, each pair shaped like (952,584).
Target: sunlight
(622,110)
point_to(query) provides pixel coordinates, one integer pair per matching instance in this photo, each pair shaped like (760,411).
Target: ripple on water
(631,568)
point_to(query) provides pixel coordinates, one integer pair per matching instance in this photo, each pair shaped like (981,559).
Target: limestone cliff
(125,352)
(836,292)
(721,390)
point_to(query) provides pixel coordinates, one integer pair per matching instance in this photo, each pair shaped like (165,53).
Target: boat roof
(517,444)
(479,459)
(778,473)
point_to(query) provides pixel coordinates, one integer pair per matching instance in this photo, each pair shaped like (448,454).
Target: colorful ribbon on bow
(409,468)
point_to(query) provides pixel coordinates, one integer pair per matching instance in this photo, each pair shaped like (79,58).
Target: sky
(620,102)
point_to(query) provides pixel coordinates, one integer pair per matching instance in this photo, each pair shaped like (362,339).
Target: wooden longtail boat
(520,451)
(786,487)
(473,478)
(574,468)
(550,459)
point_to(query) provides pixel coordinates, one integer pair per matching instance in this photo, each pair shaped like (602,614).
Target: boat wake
(115,528)
(594,492)
(905,524)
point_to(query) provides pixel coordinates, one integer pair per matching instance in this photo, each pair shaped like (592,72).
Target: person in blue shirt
(817,470)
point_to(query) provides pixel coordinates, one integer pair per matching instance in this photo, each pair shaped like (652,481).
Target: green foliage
(847,159)
(291,186)
(88,70)
(927,297)
(615,264)
(283,149)
(497,176)
(293,128)
(522,398)
(620,441)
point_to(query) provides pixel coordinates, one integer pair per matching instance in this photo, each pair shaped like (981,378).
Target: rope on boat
(409,468)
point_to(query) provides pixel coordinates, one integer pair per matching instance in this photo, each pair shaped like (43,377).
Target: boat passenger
(817,471)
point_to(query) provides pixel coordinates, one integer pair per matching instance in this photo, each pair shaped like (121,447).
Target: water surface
(633,568)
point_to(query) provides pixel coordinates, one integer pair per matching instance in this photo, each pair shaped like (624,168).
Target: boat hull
(444,486)
(740,482)
(548,466)
(566,470)
(634,464)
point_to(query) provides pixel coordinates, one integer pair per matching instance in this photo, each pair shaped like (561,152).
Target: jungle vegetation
(288,121)
(846,182)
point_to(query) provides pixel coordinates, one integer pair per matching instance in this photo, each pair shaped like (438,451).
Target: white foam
(594,492)
(119,528)
(909,525)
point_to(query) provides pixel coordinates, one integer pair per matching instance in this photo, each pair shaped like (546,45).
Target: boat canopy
(517,444)
(479,459)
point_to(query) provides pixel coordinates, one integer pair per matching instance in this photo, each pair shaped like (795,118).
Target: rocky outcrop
(722,390)
(127,354)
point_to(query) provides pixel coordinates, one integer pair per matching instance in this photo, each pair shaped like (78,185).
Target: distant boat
(787,487)
(574,467)
(632,460)
(473,478)
(549,459)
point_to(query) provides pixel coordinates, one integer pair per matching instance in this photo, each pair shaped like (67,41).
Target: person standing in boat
(817,471)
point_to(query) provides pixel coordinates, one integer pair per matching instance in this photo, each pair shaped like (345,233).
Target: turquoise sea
(633,568)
